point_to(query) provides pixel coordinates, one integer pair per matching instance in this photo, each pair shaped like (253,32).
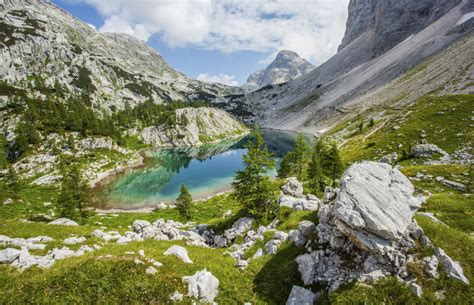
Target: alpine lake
(206,170)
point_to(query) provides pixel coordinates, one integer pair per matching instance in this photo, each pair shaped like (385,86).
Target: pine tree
(301,155)
(335,166)
(315,171)
(252,186)
(183,203)
(74,198)
(295,162)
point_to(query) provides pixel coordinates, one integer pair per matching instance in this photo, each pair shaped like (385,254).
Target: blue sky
(221,40)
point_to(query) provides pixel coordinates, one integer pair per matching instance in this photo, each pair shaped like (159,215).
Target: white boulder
(203,286)
(63,222)
(179,252)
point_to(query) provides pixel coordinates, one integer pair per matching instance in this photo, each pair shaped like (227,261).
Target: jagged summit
(383,41)
(287,65)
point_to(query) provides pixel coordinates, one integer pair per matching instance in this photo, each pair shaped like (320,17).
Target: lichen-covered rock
(203,286)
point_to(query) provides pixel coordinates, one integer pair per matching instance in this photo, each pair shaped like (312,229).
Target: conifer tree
(74,198)
(183,202)
(252,186)
(295,162)
(334,163)
(315,171)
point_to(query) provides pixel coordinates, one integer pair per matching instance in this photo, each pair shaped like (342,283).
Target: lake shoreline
(108,176)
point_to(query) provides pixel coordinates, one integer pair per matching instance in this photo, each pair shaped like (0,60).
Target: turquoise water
(205,170)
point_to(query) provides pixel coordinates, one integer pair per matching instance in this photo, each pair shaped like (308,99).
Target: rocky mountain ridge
(287,65)
(44,45)
(357,77)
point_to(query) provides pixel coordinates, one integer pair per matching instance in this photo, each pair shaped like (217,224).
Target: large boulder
(203,286)
(368,221)
(375,204)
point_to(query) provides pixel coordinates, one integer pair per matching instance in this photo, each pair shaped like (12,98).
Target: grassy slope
(447,123)
(95,278)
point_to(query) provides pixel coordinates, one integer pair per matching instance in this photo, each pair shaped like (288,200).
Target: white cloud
(312,28)
(220,78)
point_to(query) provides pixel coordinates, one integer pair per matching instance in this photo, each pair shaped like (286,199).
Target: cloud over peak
(312,28)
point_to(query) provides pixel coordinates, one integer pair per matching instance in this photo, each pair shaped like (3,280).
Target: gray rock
(301,296)
(281,236)
(239,228)
(7,256)
(176,297)
(375,204)
(416,289)
(242,264)
(139,225)
(293,187)
(372,277)
(179,252)
(286,66)
(271,247)
(74,240)
(150,270)
(452,268)
(307,228)
(258,253)
(63,222)
(296,237)
(431,266)
(203,286)
(306,267)
(62,253)
(427,151)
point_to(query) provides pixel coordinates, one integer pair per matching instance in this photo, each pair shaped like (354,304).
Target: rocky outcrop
(357,77)
(390,23)
(196,126)
(39,38)
(23,259)
(292,197)
(375,205)
(287,65)
(368,220)
(203,286)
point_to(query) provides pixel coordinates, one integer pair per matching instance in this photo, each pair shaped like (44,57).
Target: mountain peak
(287,65)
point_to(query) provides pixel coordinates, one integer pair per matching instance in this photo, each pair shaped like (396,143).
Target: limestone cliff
(196,126)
